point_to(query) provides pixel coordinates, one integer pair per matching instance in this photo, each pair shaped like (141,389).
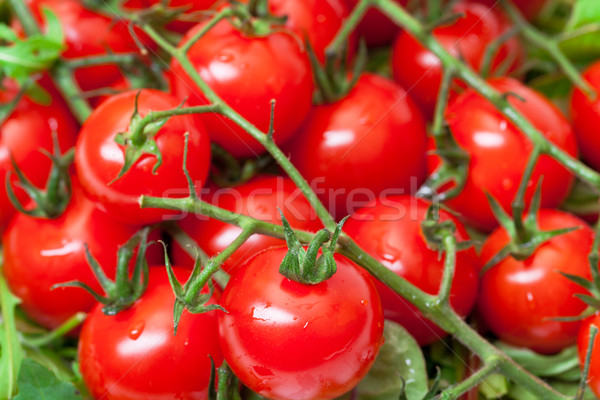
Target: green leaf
(37,382)
(543,365)
(582,33)
(494,387)
(11,353)
(399,358)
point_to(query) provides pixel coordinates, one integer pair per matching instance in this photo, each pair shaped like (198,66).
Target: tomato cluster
(365,149)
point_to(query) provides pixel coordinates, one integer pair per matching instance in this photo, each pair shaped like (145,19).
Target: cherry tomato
(260,199)
(390,230)
(519,299)
(499,151)
(247,72)
(39,253)
(99,158)
(585,113)
(419,71)
(375,27)
(88,33)
(287,340)
(583,339)
(134,355)
(23,133)
(370,141)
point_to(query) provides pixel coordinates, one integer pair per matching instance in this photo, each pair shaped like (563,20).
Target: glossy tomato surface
(583,340)
(134,354)
(370,141)
(585,114)
(499,152)
(419,71)
(23,133)
(88,33)
(390,230)
(519,299)
(259,198)
(286,340)
(40,253)
(247,72)
(98,158)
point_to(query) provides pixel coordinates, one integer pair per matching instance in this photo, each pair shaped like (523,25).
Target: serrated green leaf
(11,353)
(400,357)
(37,382)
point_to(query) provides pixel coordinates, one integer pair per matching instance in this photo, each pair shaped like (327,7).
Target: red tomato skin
(583,339)
(375,27)
(39,253)
(247,72)
(258,198)
(98,158)
(518,299)
(134,355)
(88,33)
(585,114)
(286,340)
(26,131)
(390,231)
(419,71)
(354,149)
(499,152)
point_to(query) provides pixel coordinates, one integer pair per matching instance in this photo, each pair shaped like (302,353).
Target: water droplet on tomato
(225,57)
(137,330)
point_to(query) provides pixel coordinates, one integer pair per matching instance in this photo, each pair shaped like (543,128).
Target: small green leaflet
(37,382)
(400,357)
(22,58)
(11,353)
(585,18)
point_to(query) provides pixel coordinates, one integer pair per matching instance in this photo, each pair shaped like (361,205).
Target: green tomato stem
(454,392)
(57,333)
(449,243)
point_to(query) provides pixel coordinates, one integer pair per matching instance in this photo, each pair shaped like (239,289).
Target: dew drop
(225,57)
(137,330)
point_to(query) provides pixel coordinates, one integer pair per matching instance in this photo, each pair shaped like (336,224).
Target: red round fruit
(259,198)
(134,354)
(287,340)
(375,27)
(390,230)
(419,71)
(371,141)
(98,158)
(498,151)
(23,133)
(519,299)
(40,253)
(247,72)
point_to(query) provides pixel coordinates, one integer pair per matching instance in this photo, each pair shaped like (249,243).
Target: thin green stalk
(126,59)
(256,133)
(449,242)
(454,392)
(437,130)
(518,203)
(57,333)
(350,24)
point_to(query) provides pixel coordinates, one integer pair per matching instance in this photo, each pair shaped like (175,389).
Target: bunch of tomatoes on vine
(300,199)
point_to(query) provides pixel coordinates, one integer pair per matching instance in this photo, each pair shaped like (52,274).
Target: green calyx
(139,140)
(435,231)
(307,266)
(54,199)
(198,304)
(124,290)
(254,18)
(525,235)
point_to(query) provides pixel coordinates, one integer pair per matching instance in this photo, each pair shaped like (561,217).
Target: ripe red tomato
(88,33)
(370,141)
(375,27)
(419,71)
(23,133)
(518,299)
(287,340)
(390,230)
(39,253)
(98,158)
(134,355)
(247,72)
(260,199)
(583,339)
(585,114)
(499,151)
